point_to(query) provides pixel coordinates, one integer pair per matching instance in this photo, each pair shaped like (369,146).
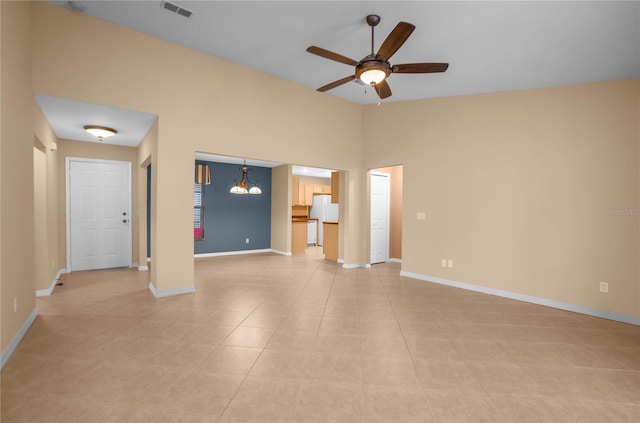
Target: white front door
(379,218)
(98,214)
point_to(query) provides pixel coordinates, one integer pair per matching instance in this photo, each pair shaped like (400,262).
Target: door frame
(67,168)
(388,207)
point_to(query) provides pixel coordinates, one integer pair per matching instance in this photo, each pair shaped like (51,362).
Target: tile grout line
(362,417)
(263,348)
(415,368)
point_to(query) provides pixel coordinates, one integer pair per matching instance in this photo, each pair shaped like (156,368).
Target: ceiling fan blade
(383,89)
(396,39)
(331,55)
(420,68)
(336,83)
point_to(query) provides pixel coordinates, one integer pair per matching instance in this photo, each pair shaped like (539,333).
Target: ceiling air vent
(172,7)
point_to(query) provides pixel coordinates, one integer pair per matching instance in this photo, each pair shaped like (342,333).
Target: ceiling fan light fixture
(100,132)
(372,72)
(372,76)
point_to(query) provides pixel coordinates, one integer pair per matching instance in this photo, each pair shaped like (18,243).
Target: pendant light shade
(203,175)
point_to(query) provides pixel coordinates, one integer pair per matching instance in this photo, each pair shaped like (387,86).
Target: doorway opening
(385,193)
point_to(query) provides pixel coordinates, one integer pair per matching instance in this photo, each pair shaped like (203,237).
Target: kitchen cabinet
(299,212)
(330,244)
(295,190)
(302,193)
(308,194)
(335,187)
(298,236)
(321,189)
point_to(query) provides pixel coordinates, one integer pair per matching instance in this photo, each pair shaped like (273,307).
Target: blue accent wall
(231,218)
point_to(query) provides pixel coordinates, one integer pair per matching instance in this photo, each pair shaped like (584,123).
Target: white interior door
(98,214)
(379,218)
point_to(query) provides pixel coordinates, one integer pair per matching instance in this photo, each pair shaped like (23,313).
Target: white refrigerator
(325,211)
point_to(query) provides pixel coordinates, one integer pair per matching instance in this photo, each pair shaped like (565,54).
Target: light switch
(450,264)
(421,216)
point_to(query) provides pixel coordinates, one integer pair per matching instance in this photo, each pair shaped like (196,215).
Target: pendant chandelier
(242,187)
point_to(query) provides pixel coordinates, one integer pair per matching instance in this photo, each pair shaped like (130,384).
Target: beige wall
(314,180)
(281,208)
(248,114)
(395,210)
(40,216)
(2,99)
(16,169)
(146,151)
(88,150)
(47,217)
(516,188)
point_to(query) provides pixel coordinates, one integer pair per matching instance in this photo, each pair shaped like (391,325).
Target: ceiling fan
(375,68)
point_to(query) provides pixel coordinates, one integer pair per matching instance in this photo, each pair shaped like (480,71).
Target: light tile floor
(268,338)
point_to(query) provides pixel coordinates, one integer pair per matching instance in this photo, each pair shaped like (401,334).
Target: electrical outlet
(450,264)
(604,287)
(443,263)
(421,216)
(246,241)
(15,304)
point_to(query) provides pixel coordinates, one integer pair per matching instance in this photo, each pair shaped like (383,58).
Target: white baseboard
(340,261)
(527,298)
(395,260)
(8,352)
(148,259)
(356,266)
(282,253)
(143,268)
(170,292)
(132,265)
(233,253)
(48,291)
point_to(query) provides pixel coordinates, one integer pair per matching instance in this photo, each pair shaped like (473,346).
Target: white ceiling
(490,46)
(68,118)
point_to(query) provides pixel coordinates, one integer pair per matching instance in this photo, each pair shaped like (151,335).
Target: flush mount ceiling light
(242,187)
(100,132)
